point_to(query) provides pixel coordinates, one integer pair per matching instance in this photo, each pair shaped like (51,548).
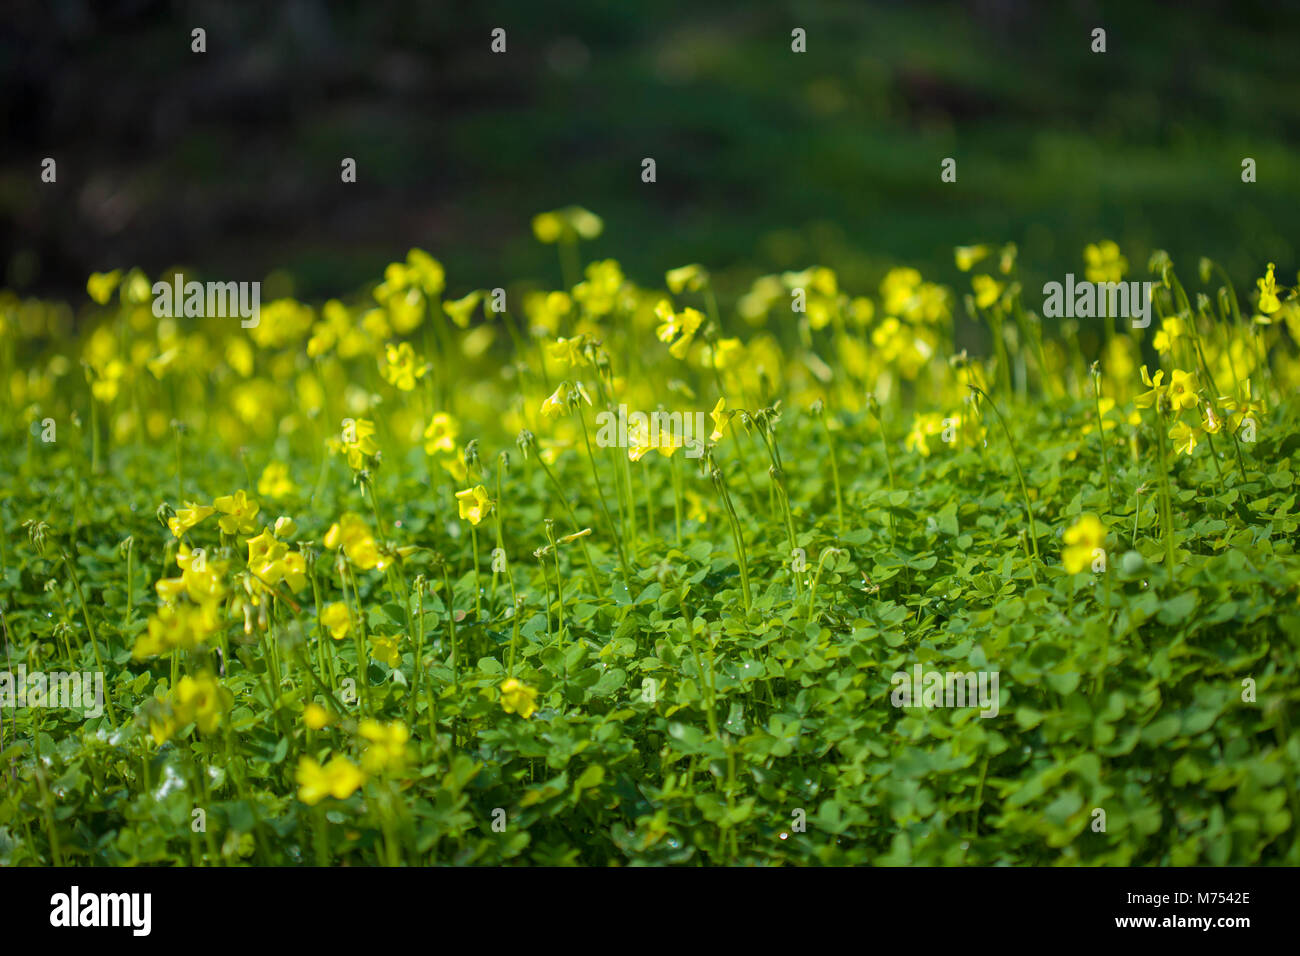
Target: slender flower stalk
(873,406)
(817,575)
(1166,498)
(478,588)
(711,330)
(418,677)
(359,634)
(37,531)
(591,567)
(1106,631)
(767,433)
(677,497)
(737,535)
(559,580)
(819,409)
(451,624)
(604,507)
(1015,457)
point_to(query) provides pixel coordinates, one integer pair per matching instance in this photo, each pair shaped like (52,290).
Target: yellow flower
(204,588)
(546,309)
(1182,390)
(987,290)
(518,698)
(898,288)
(340,778)
(1082,540)
(456,468)
(967,256)
(106,379)
(475,504)
(1268,300)
(568,224)
(638,441)
(1104,263)
(692,277)
(1213,423)
(202,580)
(924,427)
(293,571)
(441,434)
(238,513)
(681,326)
(460,310)
(385,649)
(825,281)
(263,549)
(337,620)
(1184,437)
(275,481)
(889,338)
(598,293)
(403,296)
(375,323)
(548,227)
(201,700)
(861,310)
(1242,406)
(162,725)
(721,418)
(1171,329)
(352,534)
(1007,261)
(557,403)
(187,517)
(728,353)
(281,323)
(198,700)
(358,443)
(401,368)
(1147,399)
(425,271)
(325,334)
(174,627)
(169,589)
(100,285)
(315,716)
(568,352)
(271,562)
(387,749)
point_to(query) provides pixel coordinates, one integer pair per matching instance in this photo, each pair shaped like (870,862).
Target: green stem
(835,475)
(577,525)
(94,641)
(720,483)
(817,575)
(1101,435)
(1015,458)
(1167,510)
(600,492)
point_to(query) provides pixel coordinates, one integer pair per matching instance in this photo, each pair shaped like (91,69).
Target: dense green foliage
(700,688)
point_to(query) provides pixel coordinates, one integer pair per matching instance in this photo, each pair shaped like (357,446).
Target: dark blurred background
(228,161)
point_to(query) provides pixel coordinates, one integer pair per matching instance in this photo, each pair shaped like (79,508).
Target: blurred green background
(228,162)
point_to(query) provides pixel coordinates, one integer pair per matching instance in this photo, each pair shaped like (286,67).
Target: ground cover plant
(374,580)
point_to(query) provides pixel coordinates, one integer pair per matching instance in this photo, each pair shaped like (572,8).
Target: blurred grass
(766,159)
